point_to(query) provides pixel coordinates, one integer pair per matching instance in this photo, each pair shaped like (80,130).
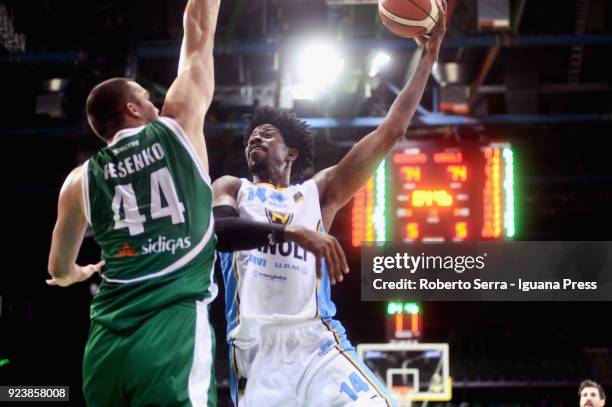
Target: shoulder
(72,190)
(321,180)
(166,126)
(74,179)
(227,185)
(227,181)
(225,190)
(168,123)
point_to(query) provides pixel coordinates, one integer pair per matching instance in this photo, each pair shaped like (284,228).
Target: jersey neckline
(123,133)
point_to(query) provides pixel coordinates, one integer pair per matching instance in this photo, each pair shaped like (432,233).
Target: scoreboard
(433,191)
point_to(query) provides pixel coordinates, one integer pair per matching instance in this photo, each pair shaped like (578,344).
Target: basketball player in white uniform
(285,347)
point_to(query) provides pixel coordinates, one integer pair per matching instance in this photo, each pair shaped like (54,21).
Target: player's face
(142,101)
(589,397)
(265,148)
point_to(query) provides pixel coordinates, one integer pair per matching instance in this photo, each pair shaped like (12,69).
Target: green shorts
(167,361)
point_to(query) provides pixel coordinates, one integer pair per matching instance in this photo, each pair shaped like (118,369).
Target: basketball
(408,18)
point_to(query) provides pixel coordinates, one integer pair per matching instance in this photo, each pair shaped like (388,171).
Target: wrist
(66,279)
(430,55)
(290,232)
(73,276)
(277,235)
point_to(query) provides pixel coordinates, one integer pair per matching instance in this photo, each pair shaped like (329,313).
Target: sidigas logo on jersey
(279,217)
(163,244)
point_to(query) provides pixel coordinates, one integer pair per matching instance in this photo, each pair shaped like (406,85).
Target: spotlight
(449,73)
(380,60)
(318,67)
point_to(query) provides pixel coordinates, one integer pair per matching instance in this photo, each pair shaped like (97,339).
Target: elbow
(53,270)
(57,273)
(396,134)
(393,133)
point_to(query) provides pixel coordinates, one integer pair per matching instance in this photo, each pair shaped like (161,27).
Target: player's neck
(279,180)
(130,123)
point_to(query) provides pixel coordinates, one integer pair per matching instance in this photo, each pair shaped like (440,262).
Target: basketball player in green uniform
(147,196)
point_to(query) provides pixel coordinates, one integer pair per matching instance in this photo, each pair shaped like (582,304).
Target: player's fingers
(443,8)
(331,263)
(440,18)
(318,266)
(333,250)
(51,281)
(420,42)
(343,263)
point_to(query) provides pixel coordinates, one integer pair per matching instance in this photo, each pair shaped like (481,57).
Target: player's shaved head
(105,105)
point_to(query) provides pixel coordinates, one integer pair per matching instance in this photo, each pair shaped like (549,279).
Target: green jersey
(149,201)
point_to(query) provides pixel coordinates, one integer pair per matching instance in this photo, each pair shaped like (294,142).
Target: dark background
(552,102)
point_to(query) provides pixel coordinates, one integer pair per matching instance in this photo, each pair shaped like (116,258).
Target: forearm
(361,161)
(196,59)
(234,233)
(199,24)
(243,234)
(64,276)
(340,183)
(403,108)
(63,273)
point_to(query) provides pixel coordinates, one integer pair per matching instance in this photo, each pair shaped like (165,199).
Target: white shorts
(304,365)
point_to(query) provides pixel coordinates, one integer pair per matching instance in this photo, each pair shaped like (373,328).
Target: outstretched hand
(433,41)
(323,246)
(78,274)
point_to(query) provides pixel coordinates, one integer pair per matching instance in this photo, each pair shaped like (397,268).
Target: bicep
(321,179)
(328,207)
(190,96)
(186,104)
(356,168)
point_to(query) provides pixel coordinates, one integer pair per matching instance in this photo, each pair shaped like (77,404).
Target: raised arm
(339,183)
(68,235)
(191,93)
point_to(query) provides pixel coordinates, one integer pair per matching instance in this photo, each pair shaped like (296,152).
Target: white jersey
(273,284)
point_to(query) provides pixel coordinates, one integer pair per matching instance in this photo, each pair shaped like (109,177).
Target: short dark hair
(591,383)
(104,106)
(296,133)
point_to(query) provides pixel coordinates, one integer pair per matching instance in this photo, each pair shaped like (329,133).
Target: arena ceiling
(550,59)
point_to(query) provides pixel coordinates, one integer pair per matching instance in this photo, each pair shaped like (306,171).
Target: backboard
(411,371)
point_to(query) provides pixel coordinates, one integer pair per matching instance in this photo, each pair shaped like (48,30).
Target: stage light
(380,60)
(54,84)
(318,67)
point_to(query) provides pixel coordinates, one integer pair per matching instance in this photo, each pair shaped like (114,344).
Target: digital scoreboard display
(433,191)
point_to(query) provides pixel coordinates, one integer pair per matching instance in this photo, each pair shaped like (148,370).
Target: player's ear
(132,110)
(292,154)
